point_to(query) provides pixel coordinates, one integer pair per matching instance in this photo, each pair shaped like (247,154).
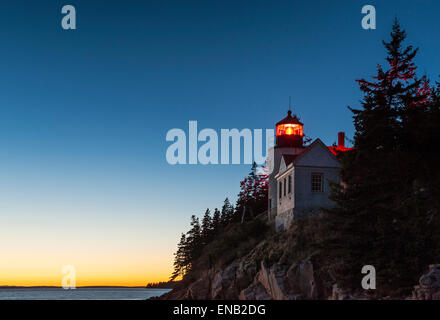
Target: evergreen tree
(206,227)
(376,221)
(262,190)
(226,213)
(180,259)
(253,196)
(193,241)
(216,223)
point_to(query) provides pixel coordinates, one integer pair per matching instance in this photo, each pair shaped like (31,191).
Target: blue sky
(84,113)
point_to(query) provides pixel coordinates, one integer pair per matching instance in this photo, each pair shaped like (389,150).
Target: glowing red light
(289,129)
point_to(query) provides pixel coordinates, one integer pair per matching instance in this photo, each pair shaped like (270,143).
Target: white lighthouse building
(298,183)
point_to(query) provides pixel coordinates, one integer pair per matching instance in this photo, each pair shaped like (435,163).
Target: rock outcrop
(243,280)
(276,268)
(429,285)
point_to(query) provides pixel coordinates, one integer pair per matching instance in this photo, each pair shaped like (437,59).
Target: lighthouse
(289,140)
(289,132)
(300,174)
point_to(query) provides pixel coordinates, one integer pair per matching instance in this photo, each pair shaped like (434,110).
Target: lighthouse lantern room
(289,132)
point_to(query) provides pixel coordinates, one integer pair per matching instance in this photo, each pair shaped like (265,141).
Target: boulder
(429,285)
(255,291)
(198,290)
(224,284)
(301,278)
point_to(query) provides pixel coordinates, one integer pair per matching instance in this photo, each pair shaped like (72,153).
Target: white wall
(286,202)
(305,198)
(273,160)
(302,201)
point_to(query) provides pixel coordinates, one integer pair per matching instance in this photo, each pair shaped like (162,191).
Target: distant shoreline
(82,287)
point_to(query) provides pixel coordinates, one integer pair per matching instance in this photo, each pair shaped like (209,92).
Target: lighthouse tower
(288,142)
(299,176)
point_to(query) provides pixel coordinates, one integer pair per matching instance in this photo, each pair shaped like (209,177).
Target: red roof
(290,119)
(337,150)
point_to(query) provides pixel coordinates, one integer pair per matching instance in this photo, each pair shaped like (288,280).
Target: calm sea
(81,294)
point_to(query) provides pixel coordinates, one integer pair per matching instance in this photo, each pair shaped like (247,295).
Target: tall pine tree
(216,222)
(253,196)
(206,227)
(180,261)
(226,213)
(193,242)
(376,221)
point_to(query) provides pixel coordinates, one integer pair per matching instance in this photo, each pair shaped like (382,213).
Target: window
(281,189)
(285,186)
(317,182)
(289,129)
(290,184)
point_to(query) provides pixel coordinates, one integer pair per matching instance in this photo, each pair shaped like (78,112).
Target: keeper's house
(298,184)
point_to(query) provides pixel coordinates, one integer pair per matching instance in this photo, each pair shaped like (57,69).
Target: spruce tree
(373,222)
(206,227)
(253,195)
(180,259)
(193,242)
(216,222)
(226,213)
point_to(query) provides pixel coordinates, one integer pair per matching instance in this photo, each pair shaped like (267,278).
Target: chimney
(341,140)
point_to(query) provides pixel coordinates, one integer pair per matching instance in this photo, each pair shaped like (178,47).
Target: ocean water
(81,294)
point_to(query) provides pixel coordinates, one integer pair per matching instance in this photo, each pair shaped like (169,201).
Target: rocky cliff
(243,280)
(278,267)
(270,269)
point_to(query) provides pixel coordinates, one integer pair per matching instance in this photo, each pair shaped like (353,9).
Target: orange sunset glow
(101,271)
